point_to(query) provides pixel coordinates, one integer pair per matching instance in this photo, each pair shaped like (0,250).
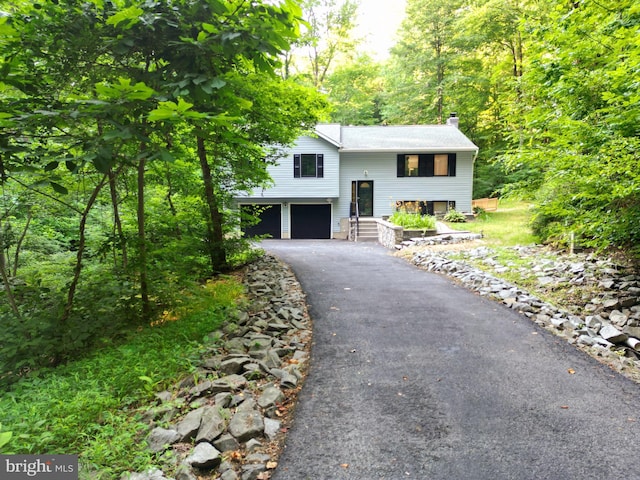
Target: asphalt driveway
(414,377)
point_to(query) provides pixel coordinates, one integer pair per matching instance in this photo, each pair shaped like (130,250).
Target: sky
(378,22)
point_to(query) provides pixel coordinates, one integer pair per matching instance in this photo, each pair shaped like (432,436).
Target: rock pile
(443,239)
(226,420)
(606,323)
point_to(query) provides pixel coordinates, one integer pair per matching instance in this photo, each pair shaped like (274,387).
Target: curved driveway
(414,377)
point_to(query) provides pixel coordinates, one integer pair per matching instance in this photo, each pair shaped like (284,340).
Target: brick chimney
(453,120)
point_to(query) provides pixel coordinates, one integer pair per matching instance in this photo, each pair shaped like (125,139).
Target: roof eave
(324,137)
(409,150)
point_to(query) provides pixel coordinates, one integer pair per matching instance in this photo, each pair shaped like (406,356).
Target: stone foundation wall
(389,235)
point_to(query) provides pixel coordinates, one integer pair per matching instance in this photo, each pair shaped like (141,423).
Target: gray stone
(627,302)
(204,455)
(160,438)
(184,472)
(226,443)
(252,472)
(233,365)
(271,359)
(610,303)
(252,445)
(271,428)
(212,425)
(235,345)
(257,458)
(164,396)
(612,334)
(618,318)
(190,424)
(246,424)
(229,475)
(202,388)
(289,381)
(270,397)
(278,327)
(632,331)
(587,340)
(153,474)
(229,383)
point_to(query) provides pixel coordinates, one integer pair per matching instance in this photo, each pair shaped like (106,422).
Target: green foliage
(5,438)
(593,197)
(90,406)
(413,221)
(454,216)
(110,116)
(355,90)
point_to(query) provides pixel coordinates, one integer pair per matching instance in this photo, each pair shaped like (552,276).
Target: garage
(270,220)
(311,221)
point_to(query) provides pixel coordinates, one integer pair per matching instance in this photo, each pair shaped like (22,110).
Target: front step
(367,230)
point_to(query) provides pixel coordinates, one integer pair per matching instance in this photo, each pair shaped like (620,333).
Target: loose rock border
(228,419)
(607,326)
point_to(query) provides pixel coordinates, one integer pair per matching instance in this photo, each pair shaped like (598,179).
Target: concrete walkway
(415,377)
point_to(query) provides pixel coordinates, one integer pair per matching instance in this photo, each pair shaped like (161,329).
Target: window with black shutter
(308,165)
(426,165)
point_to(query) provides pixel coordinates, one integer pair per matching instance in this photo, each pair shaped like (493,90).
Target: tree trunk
(7,285)
(81,246)
(116,217)
(172,207)
(16,255)
(217,252)
(142,243)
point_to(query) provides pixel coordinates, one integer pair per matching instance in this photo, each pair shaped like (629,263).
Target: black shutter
(452,164)
(320,165)
(296,165)
(401,165)
(429,208)
(426,165)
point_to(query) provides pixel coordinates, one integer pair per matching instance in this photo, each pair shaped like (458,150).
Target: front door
(362,193)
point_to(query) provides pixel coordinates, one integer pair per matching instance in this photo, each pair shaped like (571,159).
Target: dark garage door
(270,220)
(311,221)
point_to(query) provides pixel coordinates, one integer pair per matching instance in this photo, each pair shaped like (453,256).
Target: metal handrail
(355,212)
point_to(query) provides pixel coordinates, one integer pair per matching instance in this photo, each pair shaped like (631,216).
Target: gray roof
(397,138)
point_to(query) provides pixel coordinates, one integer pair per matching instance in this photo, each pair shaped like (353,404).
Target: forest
(127,126)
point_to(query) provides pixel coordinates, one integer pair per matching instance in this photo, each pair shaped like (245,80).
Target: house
(371,171)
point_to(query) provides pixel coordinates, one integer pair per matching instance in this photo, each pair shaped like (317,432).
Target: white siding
(388,188)
(287,186)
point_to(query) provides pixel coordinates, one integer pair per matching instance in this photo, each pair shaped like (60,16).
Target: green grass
(508,226)
(91,407)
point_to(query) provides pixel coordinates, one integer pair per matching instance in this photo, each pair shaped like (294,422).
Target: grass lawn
(506,227)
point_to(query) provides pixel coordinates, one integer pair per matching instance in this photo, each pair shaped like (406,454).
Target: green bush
(454,216)
(413,221)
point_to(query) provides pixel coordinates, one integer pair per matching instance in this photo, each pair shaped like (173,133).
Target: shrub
(413,221)
(454,216)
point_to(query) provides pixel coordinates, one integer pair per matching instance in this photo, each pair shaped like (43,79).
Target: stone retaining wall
(389,235)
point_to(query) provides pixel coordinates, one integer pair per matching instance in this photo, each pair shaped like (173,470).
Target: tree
(355,90)
(326,39)
(421,63)
(583,114)
(102,93)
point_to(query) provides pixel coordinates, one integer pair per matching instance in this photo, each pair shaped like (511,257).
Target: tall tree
(421,70)
(355,90)
(328,37)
